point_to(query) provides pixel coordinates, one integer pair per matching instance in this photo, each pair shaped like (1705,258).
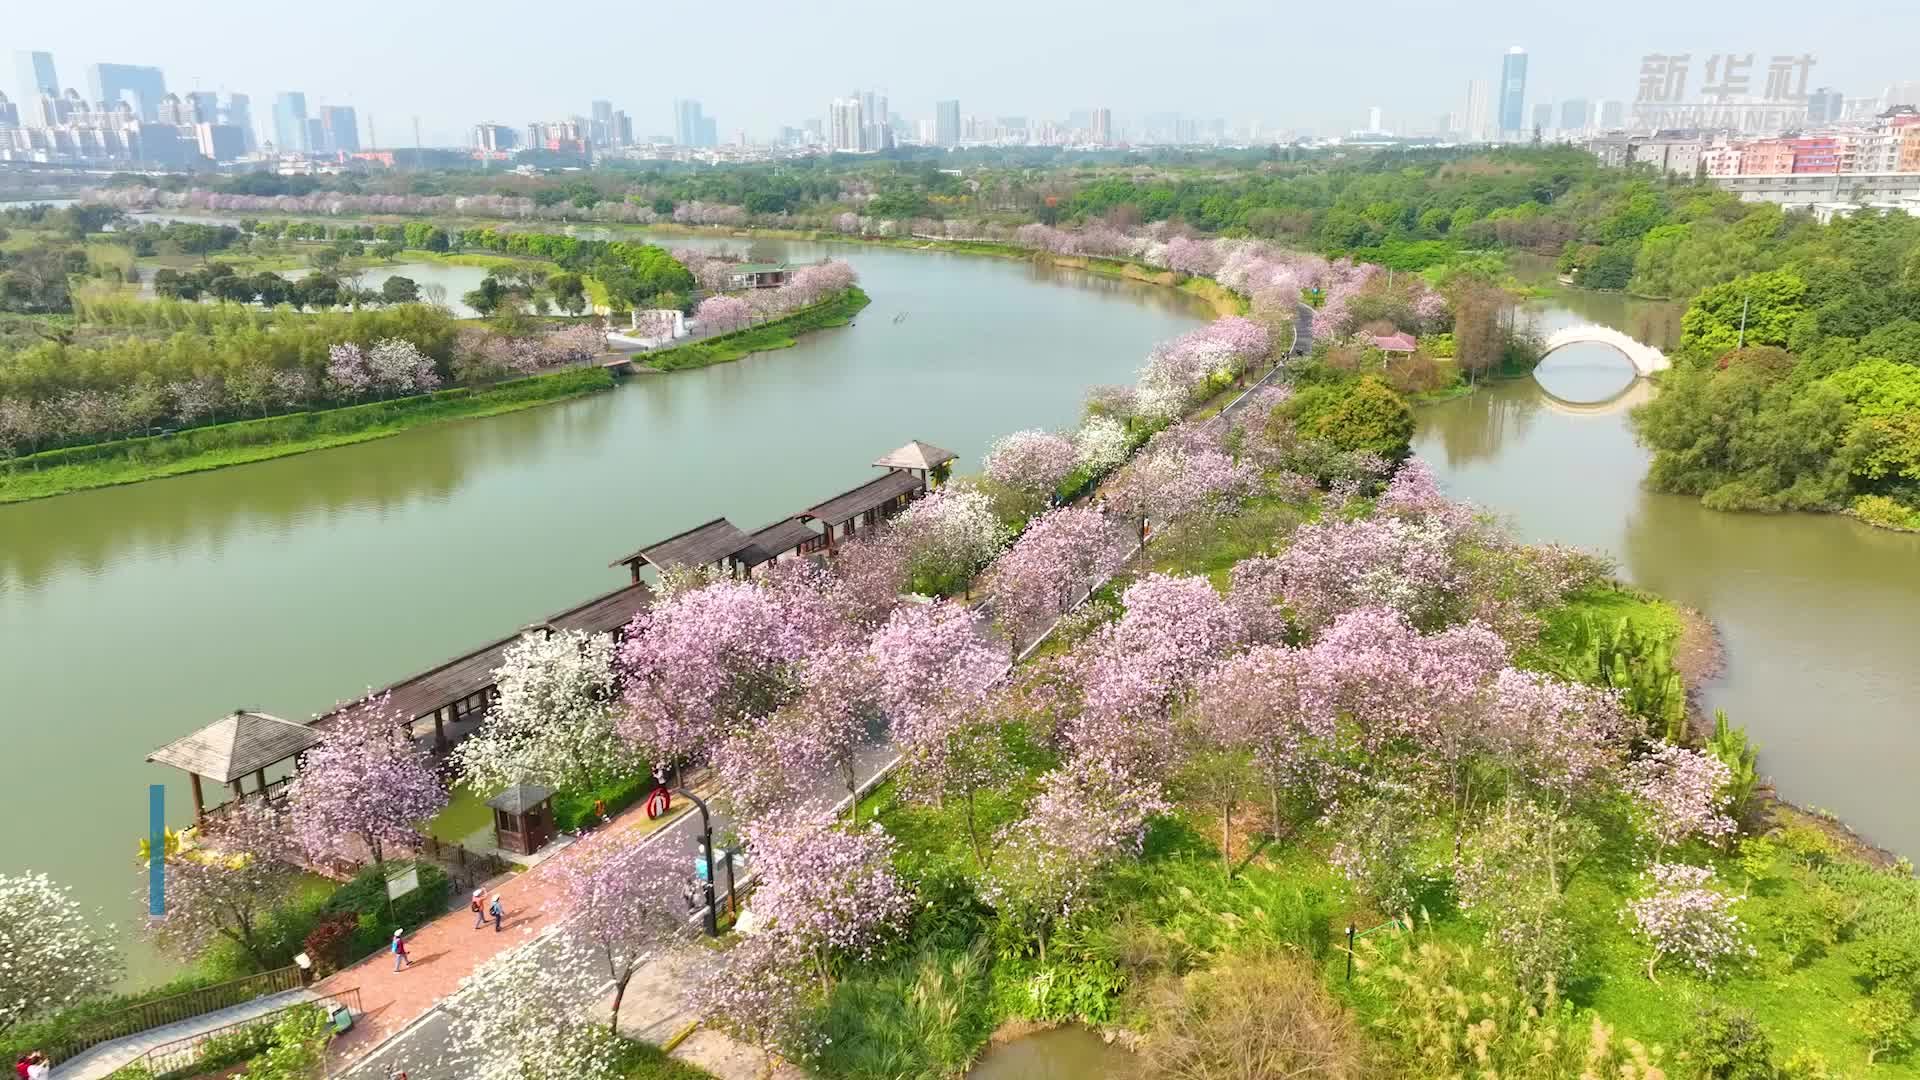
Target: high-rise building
(1613,115)
(1479,107)
(1575,115)
(494,137)
(601,129)
(1513,92)
(691,126)
(845,126)
(220,142)
(342,129)
(1374,118)
(1901,93)
(204,106)
(1542,117)
(876,133)
(317,137)
(176,112)
(36,77)
(1103,126)
(9,113)
(239,114)
(946,123)
(619,128)
(290,123)
(143,86)
(1825,105)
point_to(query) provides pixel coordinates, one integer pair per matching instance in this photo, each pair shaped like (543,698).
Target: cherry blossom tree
(1512,877)
(1169,484)
(367,782)
(1062,554)
(930,660)
(1031,462)
(1335,566)
(521,1015)
(1101,445)
(53,953)
(347,371)
(947,536)
(722,313)
(1377,846)
(701,661)
(1684,915)
(1272,704)
(771,763)
(627,903)
(1086,815)
(825,891)
(552,720)
(757,992)
(224,879)
(1681,793)
(396,365)
(1137,668)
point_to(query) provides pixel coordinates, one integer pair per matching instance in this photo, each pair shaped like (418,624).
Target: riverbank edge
(835,311)
(496,400)
(473,405)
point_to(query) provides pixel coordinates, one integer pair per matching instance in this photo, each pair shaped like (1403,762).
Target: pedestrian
(497,912)
(400,958)
(37,1067)
(479,911)
(20,1067)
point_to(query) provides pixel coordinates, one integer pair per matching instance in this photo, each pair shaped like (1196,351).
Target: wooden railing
(172,1010)
(467,867)
(181,1055)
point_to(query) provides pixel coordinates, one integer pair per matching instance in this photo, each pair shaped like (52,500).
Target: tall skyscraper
(691,126)
(1513,92)
(619,129)
(1825,105)
(1373,119)
(1542,118)
(36,78)
(204,105)
(845,125)
(1479,108)
(602,126)
(1575,115)
(1613,115)
(1103,126)
(946,123)
(290,123)
(239,114)
(342,128)
(143,86)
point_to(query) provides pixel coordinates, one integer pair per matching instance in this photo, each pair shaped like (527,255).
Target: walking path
(102,1060)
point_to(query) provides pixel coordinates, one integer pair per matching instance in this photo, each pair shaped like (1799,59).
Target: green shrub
(328,941)
(922,1017)
(365,899)
(777,334)
(1885,512)
(1724,1044)
(573,810)
(1362,415)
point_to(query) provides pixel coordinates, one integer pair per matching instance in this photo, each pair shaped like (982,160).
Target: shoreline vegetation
(129,461)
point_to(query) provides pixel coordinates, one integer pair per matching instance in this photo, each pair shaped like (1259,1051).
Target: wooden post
(239,791)
(439,728)
(260,778)
(199,802)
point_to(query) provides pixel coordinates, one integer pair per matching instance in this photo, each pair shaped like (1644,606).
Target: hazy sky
(757,64)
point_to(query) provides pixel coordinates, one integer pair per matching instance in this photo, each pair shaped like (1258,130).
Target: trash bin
(339,1018)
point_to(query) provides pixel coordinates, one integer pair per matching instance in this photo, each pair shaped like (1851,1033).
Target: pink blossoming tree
(366,782)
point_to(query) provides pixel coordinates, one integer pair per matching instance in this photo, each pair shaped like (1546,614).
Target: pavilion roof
(235,745)
(1400,342)
(917,455)
(520,798)
(713,542)
(604,613)
(781,536)
(874,493)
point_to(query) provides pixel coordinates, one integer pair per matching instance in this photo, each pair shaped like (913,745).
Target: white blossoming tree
(522,1015)
(553,722)
(51,953)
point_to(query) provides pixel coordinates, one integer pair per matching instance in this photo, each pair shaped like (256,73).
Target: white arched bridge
(1645,358)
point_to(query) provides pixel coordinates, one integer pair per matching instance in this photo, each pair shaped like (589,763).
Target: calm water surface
(1062,1053)
(1820,616)
(130,616)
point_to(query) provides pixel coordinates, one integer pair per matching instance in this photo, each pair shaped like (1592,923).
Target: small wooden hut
(226,751)
(718,543)
(522,818)
(850,513)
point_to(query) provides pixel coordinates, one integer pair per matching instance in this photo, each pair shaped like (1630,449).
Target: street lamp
(706,845)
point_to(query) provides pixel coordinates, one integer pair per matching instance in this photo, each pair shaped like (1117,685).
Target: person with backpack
(497,912)
(479,912)
(400,958)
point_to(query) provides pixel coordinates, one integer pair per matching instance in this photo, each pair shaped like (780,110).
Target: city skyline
(1591,55)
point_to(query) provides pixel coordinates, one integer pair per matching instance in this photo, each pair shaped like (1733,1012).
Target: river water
(1819,615)
(130,616)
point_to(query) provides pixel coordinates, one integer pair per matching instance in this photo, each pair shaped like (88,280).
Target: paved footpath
(102,1060)
(404,1025)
